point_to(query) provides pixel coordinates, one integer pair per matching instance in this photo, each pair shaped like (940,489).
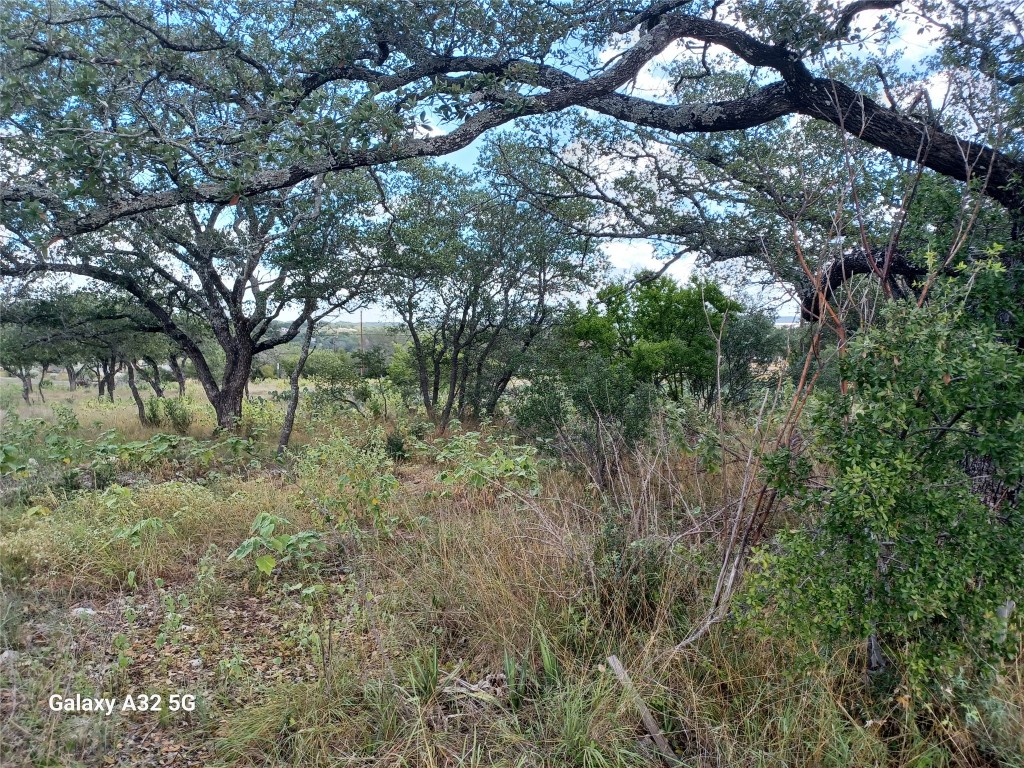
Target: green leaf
(265,564)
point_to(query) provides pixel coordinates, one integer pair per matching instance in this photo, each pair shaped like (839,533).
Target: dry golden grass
(86,545)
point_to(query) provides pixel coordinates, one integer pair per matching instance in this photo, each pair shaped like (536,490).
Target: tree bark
(179,375)
(152,376)
(42,378)
(293,400)
(421,364)
(139,404)
(24,375)
(886,265)
(109,368)
(72,378)
(227,398)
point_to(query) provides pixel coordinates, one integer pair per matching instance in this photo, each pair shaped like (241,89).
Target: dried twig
(650,724)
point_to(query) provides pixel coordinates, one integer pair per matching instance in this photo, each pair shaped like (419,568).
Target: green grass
(452,621)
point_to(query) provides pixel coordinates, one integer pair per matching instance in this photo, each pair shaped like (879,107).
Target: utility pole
(361,358)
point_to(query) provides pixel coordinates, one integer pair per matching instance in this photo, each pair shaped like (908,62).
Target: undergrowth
(455,605)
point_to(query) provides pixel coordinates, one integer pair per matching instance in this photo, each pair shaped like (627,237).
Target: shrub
(589,416)
(66,419)
(179,414)
(904,543)
(475,460)
(272,547)
(394,445)
(9,397)
(330,369)
(343,483)
(259,416)
(154,413)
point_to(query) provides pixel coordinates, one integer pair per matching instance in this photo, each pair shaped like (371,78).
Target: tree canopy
(113,109)
(679,338)
(476,277)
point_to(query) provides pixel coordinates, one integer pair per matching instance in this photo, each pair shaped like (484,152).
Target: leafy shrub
(179,414)
(259,416)
(903,542)
(154,411)
(330,369)
(384,399)
(66,419)
(394,445)
(631,575)
(475,460)
(263,371)
(343,483)
(284,548)
(401,373)
(588,414)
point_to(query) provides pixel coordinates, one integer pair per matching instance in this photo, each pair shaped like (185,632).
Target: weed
(209,587)
(394,445)
(347,485)
(476,461)
(290,548)
(67,420)
(174,607)
(424,674)
(259,417)
(11,618)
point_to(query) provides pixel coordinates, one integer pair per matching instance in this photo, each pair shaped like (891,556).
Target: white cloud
(630,256)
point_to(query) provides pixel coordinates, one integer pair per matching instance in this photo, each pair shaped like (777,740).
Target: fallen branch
(645,714)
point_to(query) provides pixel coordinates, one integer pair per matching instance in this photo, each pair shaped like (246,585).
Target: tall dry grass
(477,625)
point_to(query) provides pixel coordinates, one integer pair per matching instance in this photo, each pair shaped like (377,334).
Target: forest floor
(453,606)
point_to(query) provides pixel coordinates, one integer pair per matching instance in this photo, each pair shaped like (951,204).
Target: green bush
(272,547)
(475,460)
(154,411)
(259,416)
(394,445)
(66,419)
(344,484)
(330,369)
(179,414)
(589,414)
(914,535)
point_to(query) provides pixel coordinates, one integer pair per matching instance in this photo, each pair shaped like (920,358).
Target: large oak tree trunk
(227,403)
(227,396)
